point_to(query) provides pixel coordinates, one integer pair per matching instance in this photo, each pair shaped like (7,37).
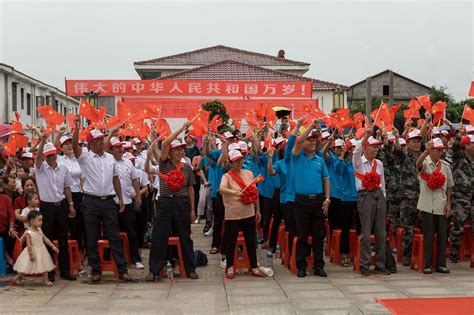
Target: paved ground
(343,292)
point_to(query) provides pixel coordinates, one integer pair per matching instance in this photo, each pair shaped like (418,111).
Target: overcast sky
(343,41)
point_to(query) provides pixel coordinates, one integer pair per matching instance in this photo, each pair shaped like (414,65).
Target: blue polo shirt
(335,179)
(311,171)
(218,172)
(251,164)
(346,169)
(280,169)
(290,185)
(265,188)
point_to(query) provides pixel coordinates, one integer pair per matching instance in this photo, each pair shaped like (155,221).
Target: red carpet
(432,306)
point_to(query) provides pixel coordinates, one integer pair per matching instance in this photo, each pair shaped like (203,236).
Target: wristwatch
(328,200)
(71,203)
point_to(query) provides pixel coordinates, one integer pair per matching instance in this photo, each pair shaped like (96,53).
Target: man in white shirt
(101,185)
(129,182)
(54,182)
(371,205)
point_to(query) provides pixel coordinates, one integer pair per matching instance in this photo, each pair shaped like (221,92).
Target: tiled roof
(220,53)
(395,74)
(238,71)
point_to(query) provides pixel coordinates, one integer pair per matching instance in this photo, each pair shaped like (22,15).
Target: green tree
(217,108)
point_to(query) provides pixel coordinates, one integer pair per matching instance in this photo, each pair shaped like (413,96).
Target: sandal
(230,273)
(213,251)
(258,273)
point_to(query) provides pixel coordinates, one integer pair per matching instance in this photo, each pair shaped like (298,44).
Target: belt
(99,197)
(54,204)
(173,197)
(310,197)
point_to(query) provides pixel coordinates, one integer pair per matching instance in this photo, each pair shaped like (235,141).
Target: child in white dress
(35,258)
(33,204)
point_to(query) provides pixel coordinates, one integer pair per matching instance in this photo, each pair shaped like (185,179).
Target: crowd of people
(297,176)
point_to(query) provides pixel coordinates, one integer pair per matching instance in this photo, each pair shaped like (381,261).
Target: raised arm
(424,127)
(299,141)
(357,154)
(111,134)
(39,158)
(270,168)
(223,160)
(57,142)
(149,157)
(422,157)
(165,146)
(76,147)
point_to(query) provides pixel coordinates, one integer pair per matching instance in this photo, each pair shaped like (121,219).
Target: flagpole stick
(249,184)
(128,118)
(462,115)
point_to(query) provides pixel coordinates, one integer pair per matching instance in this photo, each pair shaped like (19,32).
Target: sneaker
(442,269)
(197,221)
(301,273)
(223,263)
(193,275)
(427,271)
(138,265)
(209,232)
(206,228)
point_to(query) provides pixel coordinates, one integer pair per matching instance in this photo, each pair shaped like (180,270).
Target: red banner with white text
(186,88)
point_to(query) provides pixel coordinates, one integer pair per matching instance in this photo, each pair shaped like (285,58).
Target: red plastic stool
(357,254)
(245,263)
(391,239)
(107,264)
(281,234)
(328,238)
(17,249)
(126,247)
(285,250)
(75,257)
(335,255)
(309,260)
(399,242)
(465,244)
(174,241)
(352,243)
(417,257)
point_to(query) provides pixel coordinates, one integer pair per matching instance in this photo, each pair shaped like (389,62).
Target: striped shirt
(189,180)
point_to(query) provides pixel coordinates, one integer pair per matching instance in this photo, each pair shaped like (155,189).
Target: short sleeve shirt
(189,180)
(310,172)
(52,181)
(234,208)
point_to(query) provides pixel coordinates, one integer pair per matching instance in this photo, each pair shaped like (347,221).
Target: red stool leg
(328,238)
(126,247)
(293,256)
(352,243)
(357,255)
(399,242)
(335,255)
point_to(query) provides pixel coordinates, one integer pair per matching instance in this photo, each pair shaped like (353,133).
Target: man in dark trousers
(101,185)
(54,187)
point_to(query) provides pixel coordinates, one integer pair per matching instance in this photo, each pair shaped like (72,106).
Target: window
(386,90)
(14,96)
(22,98)
(40,101)
(28,104)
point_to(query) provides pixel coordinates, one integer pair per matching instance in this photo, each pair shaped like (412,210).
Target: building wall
(326,100)
(403,89)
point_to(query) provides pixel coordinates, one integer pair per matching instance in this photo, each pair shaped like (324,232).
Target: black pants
(309,221)
(267,211)
(55,227)
(219,212)
(8,243)
(432,224)
(341,217)
(76,224)
(95,212)
(127,223)
(277,216)
(232,228)
(290,224)
(141,223)
(171,212)
(197,186)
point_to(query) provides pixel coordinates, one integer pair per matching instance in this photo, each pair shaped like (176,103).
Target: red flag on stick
(20,140)
(424,101)
(468,114)
(50,115)
(438,110)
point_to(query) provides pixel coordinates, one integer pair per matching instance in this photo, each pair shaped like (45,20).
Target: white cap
(390,136)
(136,140)
(278,140)
(94,134)
(64,139)
(350,143)
(325,135)
(130,156)
(49,149)
(243,146)
(438,143)
(27,155)
(469,129)
(337,143)
(126,145)
(234,146)
(177,144)
(134,148)
(234,155)
(436,131)
(228,135)
(372,141)
(402,141)
(415,133)
(115,142)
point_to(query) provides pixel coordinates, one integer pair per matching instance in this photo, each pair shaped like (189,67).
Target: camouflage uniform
(408,192)
(463,196)
(392,179)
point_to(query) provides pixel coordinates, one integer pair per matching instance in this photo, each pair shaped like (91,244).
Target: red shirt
(7,215)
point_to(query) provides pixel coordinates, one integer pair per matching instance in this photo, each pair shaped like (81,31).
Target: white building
(23,94)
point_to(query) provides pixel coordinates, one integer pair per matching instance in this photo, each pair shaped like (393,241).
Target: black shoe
(382,271)
(151,277)
(442,269)
(427,271)
(301,273)
(68,276)
(206,227)
(393,269)
(406,262)
(320,272)
(365,272)
(193,275)
(51,276)
(454,257)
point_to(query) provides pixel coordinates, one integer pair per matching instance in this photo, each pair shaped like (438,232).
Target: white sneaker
(223,263)
(139,265)
(197,221)
(209,232)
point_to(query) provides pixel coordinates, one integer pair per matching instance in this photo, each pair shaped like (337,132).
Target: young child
(21,172)
(35,257)
(33,204)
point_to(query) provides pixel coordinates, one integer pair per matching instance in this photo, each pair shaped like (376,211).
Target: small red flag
(438,109)
(50,115)
(468,114)
(424,101)
(20,140)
